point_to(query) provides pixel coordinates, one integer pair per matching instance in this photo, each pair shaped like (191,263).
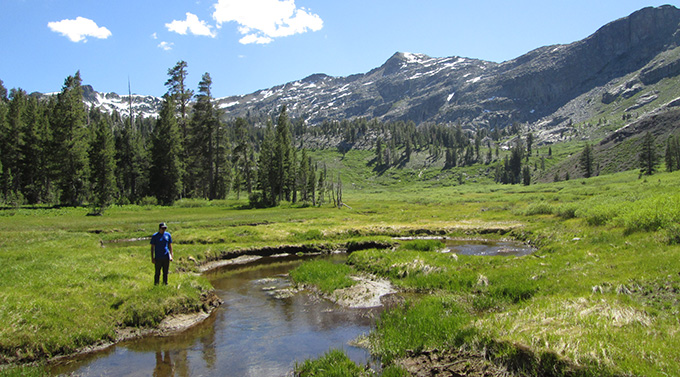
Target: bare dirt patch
(365,294)
(451,364)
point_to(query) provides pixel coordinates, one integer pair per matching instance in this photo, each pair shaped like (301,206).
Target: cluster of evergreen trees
(55,151)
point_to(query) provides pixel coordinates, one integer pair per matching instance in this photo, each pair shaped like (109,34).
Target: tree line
(53,150)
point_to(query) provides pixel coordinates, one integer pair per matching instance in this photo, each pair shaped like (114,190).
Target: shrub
(192,203)
(148,201)
(567,211)
(540,208)
(652,214)
(600,214)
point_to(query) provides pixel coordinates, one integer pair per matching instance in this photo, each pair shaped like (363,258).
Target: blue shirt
(161,242)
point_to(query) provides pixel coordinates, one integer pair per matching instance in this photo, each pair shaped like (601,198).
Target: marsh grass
(333,363)
(433,322)
(323,274)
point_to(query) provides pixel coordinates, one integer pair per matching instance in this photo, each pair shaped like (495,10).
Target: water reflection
(489,248)
(163,364)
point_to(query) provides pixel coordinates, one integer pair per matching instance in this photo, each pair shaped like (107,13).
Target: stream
(254,333)
(251,334)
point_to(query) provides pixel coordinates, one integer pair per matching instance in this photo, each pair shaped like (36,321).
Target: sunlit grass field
(601,293)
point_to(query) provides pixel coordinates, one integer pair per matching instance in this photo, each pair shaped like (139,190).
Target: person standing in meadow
(161,253)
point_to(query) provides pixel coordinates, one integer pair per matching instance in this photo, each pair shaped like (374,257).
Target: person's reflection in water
(163,365)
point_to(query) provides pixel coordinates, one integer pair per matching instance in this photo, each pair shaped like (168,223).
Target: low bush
(148,201)
(192,203)
(539,208)
(651,214)
(567,211)
(600,214)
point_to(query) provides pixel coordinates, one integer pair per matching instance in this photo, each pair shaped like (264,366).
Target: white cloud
(192,25)
(79,29)
(154,36)
(167,46)
(260,21)
(253,38)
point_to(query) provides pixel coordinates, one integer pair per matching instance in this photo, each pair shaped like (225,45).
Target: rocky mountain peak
(538,88)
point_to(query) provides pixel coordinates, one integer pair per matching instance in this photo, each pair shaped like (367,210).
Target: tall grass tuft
(325,275)
(332,363)
(422,245)
(433,322)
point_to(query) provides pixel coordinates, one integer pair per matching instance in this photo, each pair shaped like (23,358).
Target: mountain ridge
(550,87)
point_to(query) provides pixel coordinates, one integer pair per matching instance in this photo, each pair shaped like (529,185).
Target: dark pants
(161,264)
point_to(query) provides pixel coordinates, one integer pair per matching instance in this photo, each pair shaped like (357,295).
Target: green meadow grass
(600,297)
(333,363)
(601,293)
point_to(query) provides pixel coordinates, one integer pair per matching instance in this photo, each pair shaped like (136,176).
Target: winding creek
(255,332)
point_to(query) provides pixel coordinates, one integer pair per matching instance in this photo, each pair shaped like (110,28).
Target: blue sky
(248,45)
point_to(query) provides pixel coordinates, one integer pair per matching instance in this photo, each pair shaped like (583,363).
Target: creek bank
(451,364)
(368,292)
(170,325)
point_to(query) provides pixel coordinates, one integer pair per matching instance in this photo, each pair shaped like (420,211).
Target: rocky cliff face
(547,87)
(480,93)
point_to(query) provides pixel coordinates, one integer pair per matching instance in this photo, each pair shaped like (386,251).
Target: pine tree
(321,186)
(71,144)
(283,156)
(242,158)
(515,164)
(131,164)
(302,177)
(530,142)
(34,164)
(672,156)
(526,175)
(13,142)
(311,183)
(648,156)
(586,161)
(102,166)
(180,93)
(166,151)
(266,171)
(206,158)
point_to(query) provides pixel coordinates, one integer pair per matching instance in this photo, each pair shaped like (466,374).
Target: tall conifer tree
(648,156)
(71,144)
(35,159)
(102,165)
(266,169)
(586,161)
(283,156)
(166,174)
(13,141)
(242,157)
